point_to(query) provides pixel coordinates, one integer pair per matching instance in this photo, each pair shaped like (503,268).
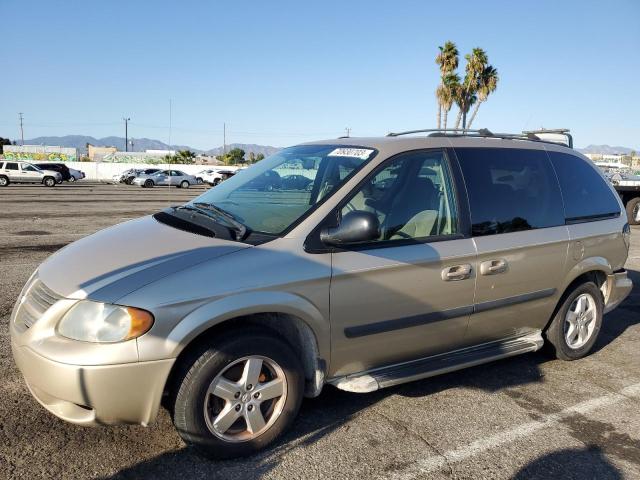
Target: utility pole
(348,130)
(126,133)
(224,138)
(21,128)
(169,126)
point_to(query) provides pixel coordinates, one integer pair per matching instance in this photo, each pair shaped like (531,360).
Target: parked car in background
(76,175)
(213,176)
(411,256)
(128,175)
(174,178)
(58,167)
(24,172)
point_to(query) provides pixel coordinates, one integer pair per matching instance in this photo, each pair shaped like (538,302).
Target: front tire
(577,323)
(633,211)
(49,181)
(184,184)
(148,183)
(238,395)
(72,178)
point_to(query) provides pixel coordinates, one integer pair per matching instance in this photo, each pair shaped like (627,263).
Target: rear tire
(4,181)
(196,408)
(633,211)
(49,181)
(574,330)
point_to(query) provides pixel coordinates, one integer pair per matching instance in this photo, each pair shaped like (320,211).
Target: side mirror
(356,227)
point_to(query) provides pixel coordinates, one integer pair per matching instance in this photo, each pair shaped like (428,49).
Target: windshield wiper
(242,231)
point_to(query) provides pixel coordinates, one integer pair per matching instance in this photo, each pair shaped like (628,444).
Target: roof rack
(553,131)
(486,133)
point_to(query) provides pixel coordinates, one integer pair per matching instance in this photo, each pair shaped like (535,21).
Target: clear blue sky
(281,73)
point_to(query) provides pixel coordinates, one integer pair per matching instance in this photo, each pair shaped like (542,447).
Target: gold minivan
(358,262)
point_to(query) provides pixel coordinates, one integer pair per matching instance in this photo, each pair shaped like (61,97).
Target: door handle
(493,267)
(457,272)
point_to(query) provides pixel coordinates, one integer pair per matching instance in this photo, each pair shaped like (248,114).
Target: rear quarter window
(585,193)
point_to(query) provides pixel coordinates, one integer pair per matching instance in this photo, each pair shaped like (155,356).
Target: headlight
(104,323)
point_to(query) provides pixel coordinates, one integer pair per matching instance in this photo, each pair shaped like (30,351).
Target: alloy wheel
(245,399)
(580,321)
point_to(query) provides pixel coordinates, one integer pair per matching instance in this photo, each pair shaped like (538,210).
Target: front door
(519,229)
(409,293)
(30,173)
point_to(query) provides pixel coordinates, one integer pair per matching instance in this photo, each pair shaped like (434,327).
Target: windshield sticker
(361,153)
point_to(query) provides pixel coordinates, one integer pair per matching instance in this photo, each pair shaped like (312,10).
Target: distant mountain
(605,149)
(80,142)
(141,144)
(266,150)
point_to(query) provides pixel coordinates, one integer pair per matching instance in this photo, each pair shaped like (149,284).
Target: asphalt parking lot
(527,417)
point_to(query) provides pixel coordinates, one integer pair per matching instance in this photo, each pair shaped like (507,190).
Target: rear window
(510,190)
(585,193)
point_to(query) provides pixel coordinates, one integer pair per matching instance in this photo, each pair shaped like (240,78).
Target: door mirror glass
(356,227)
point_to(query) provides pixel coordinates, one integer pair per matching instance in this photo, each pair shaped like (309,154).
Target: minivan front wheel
(239,395)
(575,327)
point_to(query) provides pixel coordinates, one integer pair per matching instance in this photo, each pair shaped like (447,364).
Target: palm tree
(487,85)
(448,61)
(450,86)
(466,96)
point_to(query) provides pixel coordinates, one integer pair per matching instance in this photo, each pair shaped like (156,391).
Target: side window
(510,190)
(409,203)
(11,166)
(585,193)
(29,168)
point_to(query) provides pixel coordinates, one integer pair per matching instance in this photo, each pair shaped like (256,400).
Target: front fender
(234,306)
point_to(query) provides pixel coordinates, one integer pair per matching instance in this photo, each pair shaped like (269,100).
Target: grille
(36,301)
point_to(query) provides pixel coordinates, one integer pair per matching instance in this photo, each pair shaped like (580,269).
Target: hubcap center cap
(245,397)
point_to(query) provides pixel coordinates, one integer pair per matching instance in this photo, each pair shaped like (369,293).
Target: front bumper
(95,395)
(618,287)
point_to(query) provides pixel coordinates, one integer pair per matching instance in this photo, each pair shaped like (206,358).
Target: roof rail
(486,133)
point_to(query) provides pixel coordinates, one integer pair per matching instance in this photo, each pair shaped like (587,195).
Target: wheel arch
(594,269)
(302,327)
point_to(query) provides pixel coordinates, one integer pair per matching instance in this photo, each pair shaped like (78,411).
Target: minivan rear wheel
(237,396)
(576,324)
(633,211)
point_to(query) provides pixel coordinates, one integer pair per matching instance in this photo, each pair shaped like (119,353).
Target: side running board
(377,378)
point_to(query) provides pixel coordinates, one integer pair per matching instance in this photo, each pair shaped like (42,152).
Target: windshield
(273,194)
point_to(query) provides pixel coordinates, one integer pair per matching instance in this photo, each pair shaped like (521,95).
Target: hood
(116,261)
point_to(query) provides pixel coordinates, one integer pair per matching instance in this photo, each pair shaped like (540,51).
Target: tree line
(235,156)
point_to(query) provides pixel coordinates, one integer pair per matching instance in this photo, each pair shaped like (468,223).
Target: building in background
(96,154)
(40,153)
